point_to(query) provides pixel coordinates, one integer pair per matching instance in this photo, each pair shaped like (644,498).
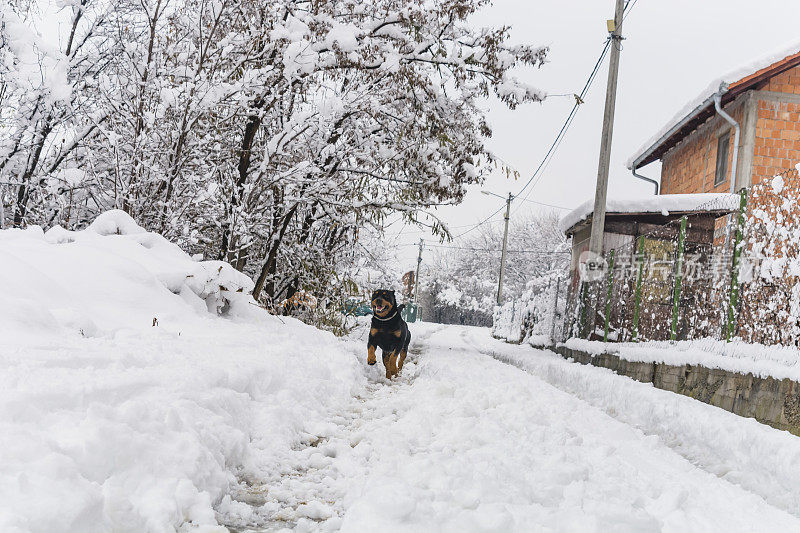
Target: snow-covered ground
(127,404)
(464,442)
(113,421)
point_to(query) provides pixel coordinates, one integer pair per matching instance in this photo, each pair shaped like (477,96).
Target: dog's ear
(401,307)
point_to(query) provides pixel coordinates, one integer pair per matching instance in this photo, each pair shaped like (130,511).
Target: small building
(653,217)
(645,232)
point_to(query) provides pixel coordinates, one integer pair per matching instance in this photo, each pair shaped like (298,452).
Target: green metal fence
(670,285)
(663,285)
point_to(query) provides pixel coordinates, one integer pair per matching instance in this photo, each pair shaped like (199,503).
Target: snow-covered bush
(770,299)
(536,316)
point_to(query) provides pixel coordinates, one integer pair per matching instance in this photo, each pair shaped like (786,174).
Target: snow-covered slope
(128,404)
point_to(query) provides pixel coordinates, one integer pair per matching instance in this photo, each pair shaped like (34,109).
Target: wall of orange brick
(777,140)
(690,166)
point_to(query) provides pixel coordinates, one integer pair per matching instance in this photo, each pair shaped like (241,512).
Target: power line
(578,101)
(628,9)
(469,249)
(557,141)
(548,205)
(448,227)
(568,122)
(481,223)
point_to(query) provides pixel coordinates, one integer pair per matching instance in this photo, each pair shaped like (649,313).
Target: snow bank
(139,385)
(735,450)
(779,362)
(663,204)
(701,100)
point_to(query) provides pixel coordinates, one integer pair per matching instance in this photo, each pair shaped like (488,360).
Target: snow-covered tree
(464,276)
(266,134)
(47,113)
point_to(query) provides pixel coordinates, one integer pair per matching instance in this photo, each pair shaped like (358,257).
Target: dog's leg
(371,355)
(386,363)
(404,351)
(400,360)
(391,368)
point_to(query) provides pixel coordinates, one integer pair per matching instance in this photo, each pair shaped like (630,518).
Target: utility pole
(416,276)
(599,214)
(503,254)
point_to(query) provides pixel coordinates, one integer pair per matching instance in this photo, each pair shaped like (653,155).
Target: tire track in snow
(304,494)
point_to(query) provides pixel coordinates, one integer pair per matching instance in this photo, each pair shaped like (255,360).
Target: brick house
(697,147)
(738,134)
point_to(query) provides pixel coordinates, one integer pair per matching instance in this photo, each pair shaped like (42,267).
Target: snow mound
(663,204)
(115,222)
(112,274)
(126,405)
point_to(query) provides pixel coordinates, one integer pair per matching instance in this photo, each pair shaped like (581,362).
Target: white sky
(673,50)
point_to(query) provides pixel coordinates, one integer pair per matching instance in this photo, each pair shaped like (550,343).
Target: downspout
(645,178)
(723,88)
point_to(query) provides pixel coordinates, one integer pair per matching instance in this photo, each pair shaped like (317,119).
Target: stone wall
(771,401)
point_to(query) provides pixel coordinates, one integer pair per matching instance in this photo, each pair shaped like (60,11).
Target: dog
(388,331)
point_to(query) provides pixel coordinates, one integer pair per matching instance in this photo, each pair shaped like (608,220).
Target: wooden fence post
(583,295)
(555,311)
(637,299)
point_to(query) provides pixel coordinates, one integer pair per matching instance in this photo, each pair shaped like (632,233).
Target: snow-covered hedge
(535,316)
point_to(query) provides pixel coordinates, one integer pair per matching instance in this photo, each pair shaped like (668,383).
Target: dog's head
(383,303)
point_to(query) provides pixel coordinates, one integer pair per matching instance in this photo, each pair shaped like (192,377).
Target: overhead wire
(579,99)
(546,204)
(481,223)
(471,249)
(559,136)
(536,176)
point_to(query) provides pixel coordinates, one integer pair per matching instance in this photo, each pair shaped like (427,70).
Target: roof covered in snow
(664,204)
(699,109)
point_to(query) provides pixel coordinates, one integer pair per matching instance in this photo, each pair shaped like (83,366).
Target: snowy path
(464,442)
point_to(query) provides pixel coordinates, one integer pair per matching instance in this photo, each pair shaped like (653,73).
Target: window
(722,159)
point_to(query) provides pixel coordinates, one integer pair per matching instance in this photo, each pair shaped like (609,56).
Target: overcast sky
(672,50)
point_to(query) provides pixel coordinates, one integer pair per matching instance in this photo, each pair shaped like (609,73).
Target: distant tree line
(460,286)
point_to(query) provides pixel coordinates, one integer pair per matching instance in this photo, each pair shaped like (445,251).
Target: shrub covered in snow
(536,315)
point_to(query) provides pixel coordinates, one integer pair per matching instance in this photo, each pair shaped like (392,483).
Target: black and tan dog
(388,331)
